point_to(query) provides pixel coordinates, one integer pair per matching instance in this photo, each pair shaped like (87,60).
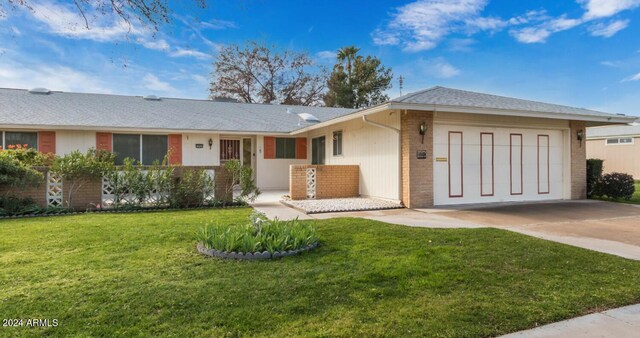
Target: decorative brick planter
(252,256)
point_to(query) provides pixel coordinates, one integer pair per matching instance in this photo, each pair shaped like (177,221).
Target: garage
(482,164)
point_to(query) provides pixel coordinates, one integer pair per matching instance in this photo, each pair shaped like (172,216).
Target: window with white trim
(12,139)
(144,149)
(285,147)
(337,143)
(619,140)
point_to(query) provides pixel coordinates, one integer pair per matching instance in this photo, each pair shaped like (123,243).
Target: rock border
(249,256)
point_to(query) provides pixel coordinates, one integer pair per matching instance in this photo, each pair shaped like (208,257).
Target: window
(229,150)
(285,147)
(317,150)
(337,143)
(620,140)
(126,145)
(154,148)
(143,149)
(12,138)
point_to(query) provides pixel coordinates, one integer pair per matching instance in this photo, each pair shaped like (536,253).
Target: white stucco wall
(70,140)
(200,156)
(376,150)
(274,173)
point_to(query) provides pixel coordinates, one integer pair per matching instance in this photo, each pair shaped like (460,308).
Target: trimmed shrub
(16,175)
(616,185)
(261,234)
(594,174)
(192,188)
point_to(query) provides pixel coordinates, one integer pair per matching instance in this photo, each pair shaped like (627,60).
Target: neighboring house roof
(441,96)
(62,109)
(610,131)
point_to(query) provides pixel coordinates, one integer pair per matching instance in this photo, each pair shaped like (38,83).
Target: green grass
(139,274)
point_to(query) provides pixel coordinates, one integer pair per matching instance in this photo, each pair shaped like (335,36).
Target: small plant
(242,178)
(261,234)
(616,186)
(192,189)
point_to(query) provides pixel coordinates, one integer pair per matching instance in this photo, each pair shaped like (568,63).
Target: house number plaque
(199,145)
(422,154)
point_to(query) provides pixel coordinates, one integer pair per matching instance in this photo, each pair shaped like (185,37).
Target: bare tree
(255,73)
(151,13)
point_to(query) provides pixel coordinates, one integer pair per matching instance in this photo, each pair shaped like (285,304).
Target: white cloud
(54,77)
(635,77)
(218,24)
(438,67)
(614,64)
(608,30)
(182,52)
(422,24)
(16,31)
(605,8)
(461,45)
(153,83)
(159,44)
(540,33)
(326,55)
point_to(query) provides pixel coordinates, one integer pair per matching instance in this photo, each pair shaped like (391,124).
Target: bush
(12,205)
(616,185)
(16,175)
(242,177)
(259,235)
(29,157)
(594,174)
(192,189)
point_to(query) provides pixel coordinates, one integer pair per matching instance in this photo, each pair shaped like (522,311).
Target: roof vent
(308,117)
(40,90)
(151,98)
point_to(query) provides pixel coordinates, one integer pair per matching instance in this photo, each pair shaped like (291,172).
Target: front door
(317,150)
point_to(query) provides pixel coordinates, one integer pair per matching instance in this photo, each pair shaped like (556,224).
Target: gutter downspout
(397,131)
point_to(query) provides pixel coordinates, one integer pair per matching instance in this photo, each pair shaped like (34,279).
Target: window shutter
(104,141)
(301,148)
(269,147)
(47,142)
(175,148)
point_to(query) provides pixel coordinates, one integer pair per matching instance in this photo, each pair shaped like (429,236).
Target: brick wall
(417,174)
(578,161)
(332,181)
(90,193)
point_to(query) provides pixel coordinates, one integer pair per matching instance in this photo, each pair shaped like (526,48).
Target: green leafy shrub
(29,157)
(615,186)
(192,188)
(261,234)
(241,177)
(594,174)
(16,206)
(77,168)
(16,175)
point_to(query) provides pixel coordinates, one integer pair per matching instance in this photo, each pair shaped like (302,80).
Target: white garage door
(479,165)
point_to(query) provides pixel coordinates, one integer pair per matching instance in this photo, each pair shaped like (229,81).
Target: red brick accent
(301,148)
(417,174)
(269,147)
(104,141)
(47,142)
(332,181)
(175,148)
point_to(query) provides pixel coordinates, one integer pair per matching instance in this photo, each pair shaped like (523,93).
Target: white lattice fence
(311,183)
(54,189)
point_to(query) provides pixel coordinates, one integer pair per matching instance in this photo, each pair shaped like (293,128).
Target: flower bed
(260,239)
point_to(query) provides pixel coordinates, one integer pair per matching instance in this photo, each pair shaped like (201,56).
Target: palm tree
(348,55)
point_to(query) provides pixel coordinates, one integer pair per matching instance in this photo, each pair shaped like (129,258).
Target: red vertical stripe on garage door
(269,147)
(103,141)
(47,142)
(175,148)
(301,148)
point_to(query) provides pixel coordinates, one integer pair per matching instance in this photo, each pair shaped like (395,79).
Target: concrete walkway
(269,203)
(618,323)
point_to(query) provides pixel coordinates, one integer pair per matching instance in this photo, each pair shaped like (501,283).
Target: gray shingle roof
(18,106)
(614,131)
(462,98)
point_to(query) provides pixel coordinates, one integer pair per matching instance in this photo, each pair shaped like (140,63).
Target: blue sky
(583,53)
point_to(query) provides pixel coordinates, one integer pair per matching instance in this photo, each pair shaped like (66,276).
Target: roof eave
(604,119)
(343,118)
(139,129)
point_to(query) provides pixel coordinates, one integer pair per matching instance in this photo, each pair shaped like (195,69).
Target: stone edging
(252,256)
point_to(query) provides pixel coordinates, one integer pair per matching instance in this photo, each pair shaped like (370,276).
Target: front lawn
(139,274)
